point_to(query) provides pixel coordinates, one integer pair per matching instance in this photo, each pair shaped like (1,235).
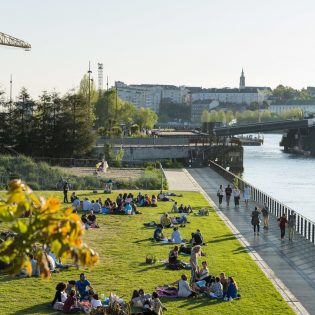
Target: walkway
(178,180)
(293,263)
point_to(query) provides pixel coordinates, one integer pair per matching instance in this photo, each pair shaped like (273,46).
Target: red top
(282,222)
(68,304)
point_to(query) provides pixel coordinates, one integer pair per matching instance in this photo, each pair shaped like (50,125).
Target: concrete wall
(143,141)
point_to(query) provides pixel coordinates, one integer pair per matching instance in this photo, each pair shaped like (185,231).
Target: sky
(182,42)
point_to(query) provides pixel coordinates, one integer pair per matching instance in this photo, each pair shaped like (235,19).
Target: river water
(287,177)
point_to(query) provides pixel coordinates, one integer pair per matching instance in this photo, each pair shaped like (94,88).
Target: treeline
(169,111)
(50,126)
(66,126)
(249,116)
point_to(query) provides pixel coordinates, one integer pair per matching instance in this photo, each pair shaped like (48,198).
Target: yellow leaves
(27,266)
(52,205)
(48,226)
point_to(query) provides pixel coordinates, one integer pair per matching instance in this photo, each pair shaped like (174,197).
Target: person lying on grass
(158,233)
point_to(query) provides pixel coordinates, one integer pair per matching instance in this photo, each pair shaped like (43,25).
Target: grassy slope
(122,243)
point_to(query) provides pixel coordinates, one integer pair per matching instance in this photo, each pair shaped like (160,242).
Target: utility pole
(116,102)
(107,83)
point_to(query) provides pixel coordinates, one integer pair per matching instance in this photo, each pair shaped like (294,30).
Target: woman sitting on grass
(203,274)
(173,256)
(71,305)
(184,289)
(153,201)
(216,289)
(60,296)
(232,288)
(158,234)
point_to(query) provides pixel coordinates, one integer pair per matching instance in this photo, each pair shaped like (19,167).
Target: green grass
(122,243)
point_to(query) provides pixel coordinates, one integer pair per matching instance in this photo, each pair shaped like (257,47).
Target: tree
(47,225)
(284,92)
(229,116)
(205,117)
(145,118)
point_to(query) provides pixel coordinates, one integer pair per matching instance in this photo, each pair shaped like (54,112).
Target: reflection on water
(287,177)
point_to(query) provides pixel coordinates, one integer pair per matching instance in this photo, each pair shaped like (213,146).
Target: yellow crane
(8,40)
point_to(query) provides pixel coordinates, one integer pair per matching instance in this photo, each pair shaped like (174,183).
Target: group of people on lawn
(76,296)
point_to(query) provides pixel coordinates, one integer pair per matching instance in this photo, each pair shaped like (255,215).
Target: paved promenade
(293,263)
(178,180)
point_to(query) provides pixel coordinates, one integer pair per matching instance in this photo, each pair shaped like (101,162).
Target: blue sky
(182,42)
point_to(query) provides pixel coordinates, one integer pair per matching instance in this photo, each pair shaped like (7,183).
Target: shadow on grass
(150,267)
(193,303)
(142,241)
(240,250)
(44,308)
(224,239)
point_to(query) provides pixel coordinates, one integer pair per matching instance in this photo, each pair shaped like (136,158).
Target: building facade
(280,108)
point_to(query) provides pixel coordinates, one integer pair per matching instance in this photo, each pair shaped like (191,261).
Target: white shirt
(96,303)
(86,205)
(176,237)
(63,296)
(183,288)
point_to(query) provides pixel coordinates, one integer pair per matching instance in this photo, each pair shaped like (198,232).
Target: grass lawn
(122,243)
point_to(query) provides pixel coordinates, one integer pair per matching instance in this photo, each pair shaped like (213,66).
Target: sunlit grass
(123,243)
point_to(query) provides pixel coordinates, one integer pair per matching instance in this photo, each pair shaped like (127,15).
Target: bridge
(264,127)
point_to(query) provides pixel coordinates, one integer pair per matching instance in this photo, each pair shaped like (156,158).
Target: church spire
(242,80)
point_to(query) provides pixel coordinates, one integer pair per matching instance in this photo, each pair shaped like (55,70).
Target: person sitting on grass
(60,297)
(232,288)
(158,234)
(153,201)
(71,305)
(216,289)
(85,221)
(175,207)
(203,274)
(173,256)
(81,286)
(184,289)
(96,207)
(70,286)
(166,221)
(176,237)
(197,238)
(92,220)
(76,203)
(163,197)
(86,205)
(95,301)
(156,305)
(224,283)
(72,198)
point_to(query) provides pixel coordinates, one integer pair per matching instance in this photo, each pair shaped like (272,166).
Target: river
(287,177)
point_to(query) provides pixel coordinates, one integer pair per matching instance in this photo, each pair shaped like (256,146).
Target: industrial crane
(8,40)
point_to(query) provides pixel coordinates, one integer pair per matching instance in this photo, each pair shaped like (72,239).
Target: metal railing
(303,226)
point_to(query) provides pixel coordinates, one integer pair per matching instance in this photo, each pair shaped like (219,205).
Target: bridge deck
(263,127)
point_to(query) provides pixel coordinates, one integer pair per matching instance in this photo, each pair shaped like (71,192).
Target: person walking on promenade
(265,214)
(220,194)
(237,196)
(256,220)
(228,193)
(246,194)
(282,223)
(291,225)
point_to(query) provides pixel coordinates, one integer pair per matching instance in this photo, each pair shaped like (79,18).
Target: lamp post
(89,74)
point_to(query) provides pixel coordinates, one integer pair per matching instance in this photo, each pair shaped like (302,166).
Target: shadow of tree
(44,308)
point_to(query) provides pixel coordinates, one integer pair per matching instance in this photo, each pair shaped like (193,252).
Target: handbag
(150,259)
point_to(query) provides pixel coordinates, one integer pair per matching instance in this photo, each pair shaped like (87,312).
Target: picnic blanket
(167,292)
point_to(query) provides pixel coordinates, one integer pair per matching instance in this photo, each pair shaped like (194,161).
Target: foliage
(171,164)
(111,111)
(51,126)
(47,225)
(123,243)
(169,111)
